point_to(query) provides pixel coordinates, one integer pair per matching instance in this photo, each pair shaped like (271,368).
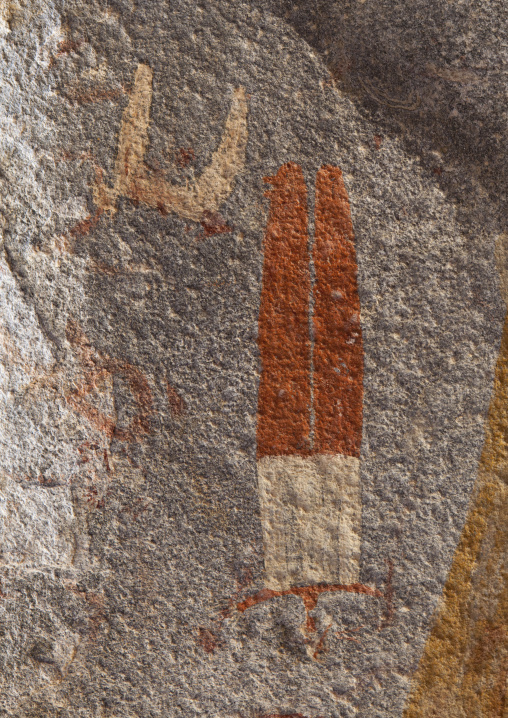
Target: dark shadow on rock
(431,73)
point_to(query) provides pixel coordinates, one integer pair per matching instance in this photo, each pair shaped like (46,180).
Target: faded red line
(284,343)
(85,226)
(321,643)
(97,366)
(309,595)
(338,346)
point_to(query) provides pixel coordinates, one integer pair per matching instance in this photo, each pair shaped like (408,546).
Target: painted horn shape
(133,181)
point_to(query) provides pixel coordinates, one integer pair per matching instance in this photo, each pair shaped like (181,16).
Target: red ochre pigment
(338,346)
(284,343)
(284,425)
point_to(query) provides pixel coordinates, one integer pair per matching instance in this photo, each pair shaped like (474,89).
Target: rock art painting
(310,393)
(249,337)
(132,179)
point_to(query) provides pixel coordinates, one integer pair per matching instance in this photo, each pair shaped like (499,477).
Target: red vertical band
(284,344)
(338,346)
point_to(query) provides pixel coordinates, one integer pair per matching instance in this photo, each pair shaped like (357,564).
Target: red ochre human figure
(311,388)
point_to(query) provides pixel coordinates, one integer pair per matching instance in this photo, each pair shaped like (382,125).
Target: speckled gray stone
(122,561)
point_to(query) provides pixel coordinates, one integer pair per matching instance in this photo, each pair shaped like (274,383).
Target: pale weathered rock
(135,140)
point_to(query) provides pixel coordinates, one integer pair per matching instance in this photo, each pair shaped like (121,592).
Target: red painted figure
(311,387)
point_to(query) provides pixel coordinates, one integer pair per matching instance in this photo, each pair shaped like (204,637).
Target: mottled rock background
(124,553)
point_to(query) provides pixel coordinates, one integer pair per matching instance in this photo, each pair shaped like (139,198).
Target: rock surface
(135,142)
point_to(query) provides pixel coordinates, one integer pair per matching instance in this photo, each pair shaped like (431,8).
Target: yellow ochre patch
(464,668)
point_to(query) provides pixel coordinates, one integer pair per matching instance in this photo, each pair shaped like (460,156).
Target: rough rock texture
(135,139)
